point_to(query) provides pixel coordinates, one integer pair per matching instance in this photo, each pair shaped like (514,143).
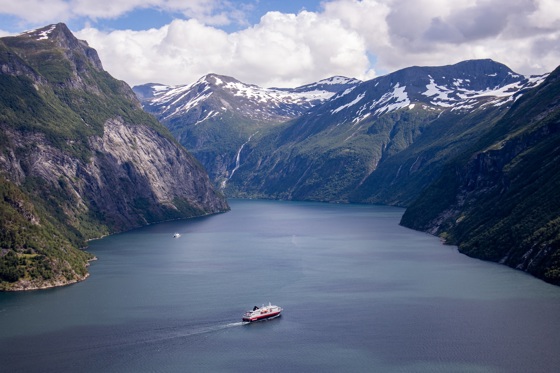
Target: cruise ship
(262,313)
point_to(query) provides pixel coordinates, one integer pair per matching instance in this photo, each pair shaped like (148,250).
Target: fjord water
(359,292)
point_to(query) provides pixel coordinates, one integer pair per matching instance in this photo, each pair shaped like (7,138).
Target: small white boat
(176,235)
(262,313)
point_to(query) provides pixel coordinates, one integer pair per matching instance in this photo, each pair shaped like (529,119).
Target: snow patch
(211,114)
(360,118)
(189,105)
(161,88)
(535,80)
(392,101)
(354,102)
(218,81)
(346,91)
(43,35)
(466,99)
(439,93)
(336,80)
(276,96)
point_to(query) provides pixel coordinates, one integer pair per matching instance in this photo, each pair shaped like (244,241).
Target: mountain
(215,116)
(79,159)
(500,200)
(214,95)
(381,141)
(470,149)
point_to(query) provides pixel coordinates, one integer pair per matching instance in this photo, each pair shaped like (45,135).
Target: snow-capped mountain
(463,87)
(213,96)
(338,131)
(383,140)
(464,144)
(217,115)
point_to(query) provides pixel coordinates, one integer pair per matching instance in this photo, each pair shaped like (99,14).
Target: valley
(469,149)
(399,139)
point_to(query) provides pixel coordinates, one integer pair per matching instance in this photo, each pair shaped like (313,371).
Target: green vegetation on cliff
(79,159)
(500,201)
(36,249)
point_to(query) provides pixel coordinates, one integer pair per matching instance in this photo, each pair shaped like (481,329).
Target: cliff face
(135,175)
(155,172)
(79,159)
(500,201)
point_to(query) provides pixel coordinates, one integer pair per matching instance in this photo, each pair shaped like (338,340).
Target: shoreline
(26,285)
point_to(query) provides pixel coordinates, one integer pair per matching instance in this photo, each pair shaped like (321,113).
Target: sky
(284,43)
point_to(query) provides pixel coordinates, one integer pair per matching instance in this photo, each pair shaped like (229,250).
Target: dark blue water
(359,293)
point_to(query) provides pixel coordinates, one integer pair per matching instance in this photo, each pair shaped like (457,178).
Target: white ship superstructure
(262,313)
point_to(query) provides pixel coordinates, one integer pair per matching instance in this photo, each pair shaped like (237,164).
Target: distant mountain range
(215,95)
(324,140)
(215,116)
(391,140)
(79,159)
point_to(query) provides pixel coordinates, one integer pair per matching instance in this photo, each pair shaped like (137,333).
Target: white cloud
(106,9)
(37,12)
(548,14)
(519,33)
(282,50)
(288,49)
(292,49)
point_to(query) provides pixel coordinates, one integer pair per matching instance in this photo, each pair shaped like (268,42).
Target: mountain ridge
(360,129)
(349,108)
(281,103)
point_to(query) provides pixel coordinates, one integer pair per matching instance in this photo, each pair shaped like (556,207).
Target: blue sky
(143,17)
(290,43)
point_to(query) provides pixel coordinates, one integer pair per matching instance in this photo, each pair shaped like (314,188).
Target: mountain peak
(221,94)
(464,87)
(218,80)
(42,33)
(62,37)
(58,33)
(338,79)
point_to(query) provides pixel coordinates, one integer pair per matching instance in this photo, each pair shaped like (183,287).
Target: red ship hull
(264,313)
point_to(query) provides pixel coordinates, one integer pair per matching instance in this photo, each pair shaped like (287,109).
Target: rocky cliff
(79,159)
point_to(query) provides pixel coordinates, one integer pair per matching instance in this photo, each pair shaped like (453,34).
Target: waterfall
(237,160)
